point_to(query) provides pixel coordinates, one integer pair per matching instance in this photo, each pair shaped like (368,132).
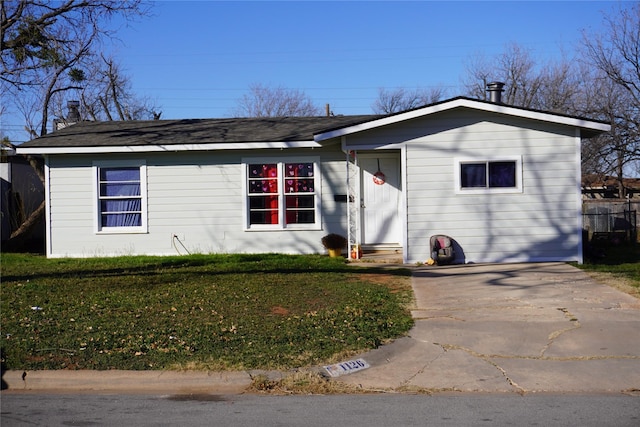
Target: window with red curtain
(284,190)
(299,189)
(263,193)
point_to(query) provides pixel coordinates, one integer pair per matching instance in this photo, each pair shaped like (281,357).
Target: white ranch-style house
(502,181)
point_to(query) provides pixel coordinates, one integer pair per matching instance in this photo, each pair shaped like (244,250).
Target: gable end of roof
(589,127)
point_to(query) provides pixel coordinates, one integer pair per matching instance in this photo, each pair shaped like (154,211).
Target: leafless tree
(46,47)
(615,53)
(265,101)
(46,50)
(108,95)
(569,86)
(515,67)
(561,86)
(391,101)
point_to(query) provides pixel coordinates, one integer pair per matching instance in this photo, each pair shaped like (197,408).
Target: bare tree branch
(401,99)
(264,101)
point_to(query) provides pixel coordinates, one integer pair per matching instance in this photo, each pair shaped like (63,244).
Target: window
(121,198)
(497,175)
(282,194)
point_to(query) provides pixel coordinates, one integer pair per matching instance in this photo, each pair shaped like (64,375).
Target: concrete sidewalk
(522,328)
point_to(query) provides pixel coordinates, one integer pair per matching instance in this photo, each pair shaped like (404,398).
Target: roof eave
(168,147)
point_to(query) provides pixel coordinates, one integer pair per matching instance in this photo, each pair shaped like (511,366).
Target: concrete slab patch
(597,376)
(459,370)
(523,338)
(395,364)
(598,339)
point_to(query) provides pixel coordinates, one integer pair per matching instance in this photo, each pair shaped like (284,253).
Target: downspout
(348,182)
(47,208)
(353,199)
(579,220)
(405,214)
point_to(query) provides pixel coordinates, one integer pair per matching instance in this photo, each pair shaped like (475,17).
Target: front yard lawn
(195,312)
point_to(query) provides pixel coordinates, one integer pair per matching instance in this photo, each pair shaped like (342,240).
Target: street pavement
(497,328)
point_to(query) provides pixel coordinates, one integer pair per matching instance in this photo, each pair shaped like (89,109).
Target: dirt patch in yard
(394,282)
(279,310)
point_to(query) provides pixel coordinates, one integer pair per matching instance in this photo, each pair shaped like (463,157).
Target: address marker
(347,367)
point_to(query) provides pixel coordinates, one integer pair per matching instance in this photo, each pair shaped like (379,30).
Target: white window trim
(143,228)
(280,161)
(502,190)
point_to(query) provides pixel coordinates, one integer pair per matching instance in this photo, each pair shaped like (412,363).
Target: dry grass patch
(616,281)
(302,382)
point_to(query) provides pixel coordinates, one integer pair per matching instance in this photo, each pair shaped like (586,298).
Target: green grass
(195,312)
(620,262)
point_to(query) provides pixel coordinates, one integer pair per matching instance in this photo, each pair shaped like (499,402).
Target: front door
(381,199)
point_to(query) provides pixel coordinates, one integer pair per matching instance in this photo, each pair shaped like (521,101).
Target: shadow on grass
(194,264)
(614,254)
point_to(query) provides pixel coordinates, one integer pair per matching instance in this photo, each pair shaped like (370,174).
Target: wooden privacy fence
(610,220)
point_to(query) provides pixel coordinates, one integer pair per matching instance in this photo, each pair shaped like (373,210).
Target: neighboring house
(21,193)
(503,182)
(608,187)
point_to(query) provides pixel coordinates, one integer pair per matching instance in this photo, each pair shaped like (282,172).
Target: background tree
(567,86)
(264,101)
(391,101)
(525,82)
(108,95)
(615,53)
(48,51)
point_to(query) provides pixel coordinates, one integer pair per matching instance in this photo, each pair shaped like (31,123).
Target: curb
(127,382)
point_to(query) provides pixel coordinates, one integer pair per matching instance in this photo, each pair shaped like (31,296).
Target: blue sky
(197,58)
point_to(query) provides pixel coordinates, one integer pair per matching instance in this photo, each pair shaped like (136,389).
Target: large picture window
(496,175)
(282,194)
(121,198)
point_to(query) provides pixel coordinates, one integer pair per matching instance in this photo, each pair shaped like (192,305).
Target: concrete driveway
(522,328)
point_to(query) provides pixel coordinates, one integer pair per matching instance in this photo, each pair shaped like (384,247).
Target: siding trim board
(170,148)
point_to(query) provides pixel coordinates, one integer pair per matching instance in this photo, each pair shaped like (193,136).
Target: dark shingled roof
(230,130)
(194,131)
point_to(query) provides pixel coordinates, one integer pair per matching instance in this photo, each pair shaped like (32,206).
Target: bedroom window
(495,175)
(282,194)
(121,198)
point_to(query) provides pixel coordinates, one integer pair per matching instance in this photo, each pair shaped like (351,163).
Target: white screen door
(380,199)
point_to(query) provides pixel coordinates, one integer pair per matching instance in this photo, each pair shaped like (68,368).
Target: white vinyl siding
(194,199)
(537,223)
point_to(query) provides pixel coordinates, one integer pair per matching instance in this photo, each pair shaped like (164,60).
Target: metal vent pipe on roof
(495,90)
